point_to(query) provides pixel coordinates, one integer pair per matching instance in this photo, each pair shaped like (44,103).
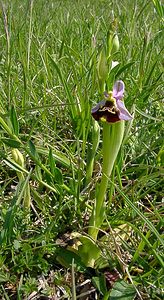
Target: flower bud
(112,43)
(102,66)
(115,44)
(18,157)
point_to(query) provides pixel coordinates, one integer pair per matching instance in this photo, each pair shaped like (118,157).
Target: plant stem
(112,139)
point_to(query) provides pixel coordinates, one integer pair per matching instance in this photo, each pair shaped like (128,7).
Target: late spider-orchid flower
(112,109)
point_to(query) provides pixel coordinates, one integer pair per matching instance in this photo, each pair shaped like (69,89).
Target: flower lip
(112,109)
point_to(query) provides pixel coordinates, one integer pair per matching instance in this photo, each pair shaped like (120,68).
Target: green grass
(48,84)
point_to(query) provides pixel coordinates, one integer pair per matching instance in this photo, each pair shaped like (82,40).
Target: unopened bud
(18,157)
(102,66)
(115,44)
(112,43)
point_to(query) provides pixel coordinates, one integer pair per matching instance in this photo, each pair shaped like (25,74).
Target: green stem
(112,139)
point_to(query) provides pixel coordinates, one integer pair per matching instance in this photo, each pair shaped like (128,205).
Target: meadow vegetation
(48,84)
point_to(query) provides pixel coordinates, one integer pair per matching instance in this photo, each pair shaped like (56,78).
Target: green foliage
(100,284)
(159,8)
(123,291)
(11,142)
(48,84)
(14,121)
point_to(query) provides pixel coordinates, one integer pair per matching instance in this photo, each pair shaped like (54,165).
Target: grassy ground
(48,84)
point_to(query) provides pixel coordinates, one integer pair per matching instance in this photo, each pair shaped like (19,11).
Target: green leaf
(58,156)
(122,291)
(58,176)
(65,257)
(146,115)
(100,284)
(13,165)
(35,156)
(159,8)
(7,231)
(5,126)
(66,88)
(14,120)
(51,188)
(51,162)
(4,277)
(32,149)
(38,172)
(127,66)
(11,143)
(88,251)
(54,170)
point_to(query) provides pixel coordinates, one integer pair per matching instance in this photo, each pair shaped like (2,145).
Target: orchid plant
(113,113)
